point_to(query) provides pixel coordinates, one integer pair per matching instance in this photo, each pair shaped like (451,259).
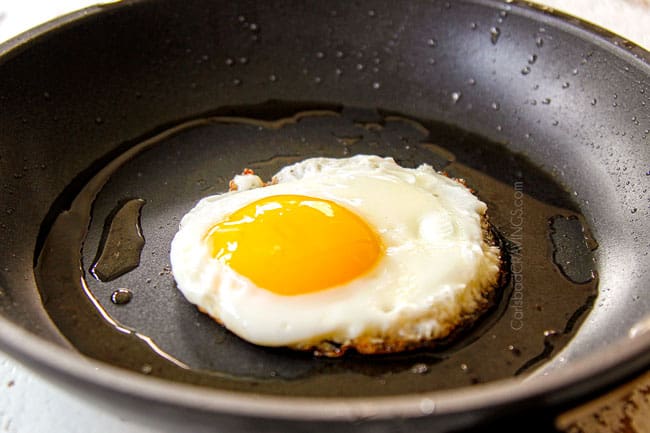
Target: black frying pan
(145,100)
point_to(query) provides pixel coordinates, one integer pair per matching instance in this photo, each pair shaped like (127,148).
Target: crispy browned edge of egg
(373,345)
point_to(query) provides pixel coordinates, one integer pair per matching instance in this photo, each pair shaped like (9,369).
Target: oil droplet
(473,26)
(432,43)
(376,85)
(574,72)
(455,96)
(236,82)
(594,101)
(539,41)
(229,61)
(273,78)
(495,106)
(495,32)
(420,368)
(532,59)
(99,120)
(514,350)
(525,70)
(565,85)
(464,367)
(121,296)
(146,369)
(243,60)
(121,244)
(546,101)
(427,406)
(320,55)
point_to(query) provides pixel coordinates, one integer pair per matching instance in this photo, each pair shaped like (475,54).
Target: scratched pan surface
(149,101)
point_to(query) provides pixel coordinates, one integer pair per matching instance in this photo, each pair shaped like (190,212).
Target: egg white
(437,269)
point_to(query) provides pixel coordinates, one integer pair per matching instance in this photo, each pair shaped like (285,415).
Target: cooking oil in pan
(572,248)
(121,296)
(121,243)
(551,281)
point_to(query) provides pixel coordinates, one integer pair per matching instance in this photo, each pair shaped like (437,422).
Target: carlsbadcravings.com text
(516,265)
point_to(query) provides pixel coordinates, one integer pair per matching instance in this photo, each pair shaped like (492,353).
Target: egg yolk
(293,244)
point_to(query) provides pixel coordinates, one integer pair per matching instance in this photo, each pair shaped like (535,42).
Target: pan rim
(528,8)
(587,375)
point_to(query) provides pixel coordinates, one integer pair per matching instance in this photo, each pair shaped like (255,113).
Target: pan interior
(137,319)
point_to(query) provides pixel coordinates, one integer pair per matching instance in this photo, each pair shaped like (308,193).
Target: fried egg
(339,253)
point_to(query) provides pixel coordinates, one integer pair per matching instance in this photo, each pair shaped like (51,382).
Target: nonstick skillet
(145,100)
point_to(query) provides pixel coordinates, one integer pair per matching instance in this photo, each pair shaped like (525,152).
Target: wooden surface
(624,410)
